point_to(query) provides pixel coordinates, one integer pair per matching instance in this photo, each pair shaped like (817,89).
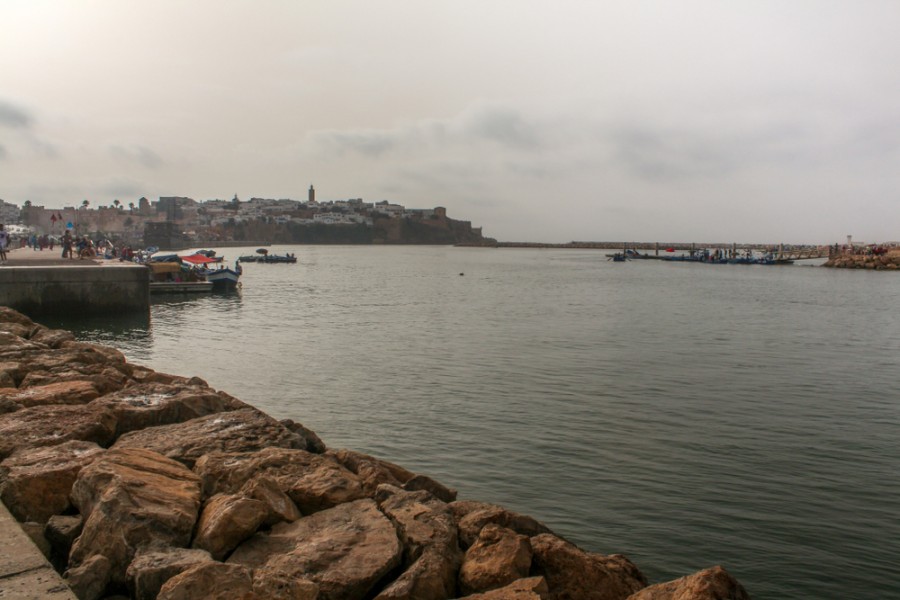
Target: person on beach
(4,242)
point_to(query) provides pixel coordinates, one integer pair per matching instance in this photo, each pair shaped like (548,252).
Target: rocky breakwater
(145,485)
(883,262)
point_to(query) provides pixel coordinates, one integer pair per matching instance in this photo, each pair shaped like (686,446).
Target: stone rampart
(148,485)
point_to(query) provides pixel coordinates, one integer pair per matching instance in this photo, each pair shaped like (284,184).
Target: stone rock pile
(889,262)
(145,485)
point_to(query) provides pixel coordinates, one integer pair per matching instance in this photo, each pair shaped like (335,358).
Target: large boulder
(279,506)
(531,588)
(226,521)
(104,377)
(714,583)
(431,555)
(152,568)
(210,581)
(151,404)
(35,483)
(497,558)
(52,425)
(53,338)
(9,315)
(130,499)
(370,470)
(472,516)
(312,481)
(234,431)
(63,392)
(345,550)
(573,573)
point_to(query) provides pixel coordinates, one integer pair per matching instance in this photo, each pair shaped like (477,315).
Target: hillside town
(175,221)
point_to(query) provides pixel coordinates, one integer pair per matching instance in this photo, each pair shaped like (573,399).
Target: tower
(312,194)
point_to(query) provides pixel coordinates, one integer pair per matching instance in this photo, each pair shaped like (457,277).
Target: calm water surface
(684,415)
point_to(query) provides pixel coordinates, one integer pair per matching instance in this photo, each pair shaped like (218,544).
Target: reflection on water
(130,333)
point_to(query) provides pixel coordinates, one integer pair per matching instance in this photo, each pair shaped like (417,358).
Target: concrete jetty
(43,283)
(25,574)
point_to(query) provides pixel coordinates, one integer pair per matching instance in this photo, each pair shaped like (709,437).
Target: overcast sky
(540,121)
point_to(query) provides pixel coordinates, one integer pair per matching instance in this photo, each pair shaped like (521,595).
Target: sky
(634,120)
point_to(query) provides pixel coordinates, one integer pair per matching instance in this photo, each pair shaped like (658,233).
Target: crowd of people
(72,246)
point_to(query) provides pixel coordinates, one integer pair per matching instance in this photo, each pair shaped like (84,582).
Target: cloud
(494,125)
(139,154)
(122,187)
(14,117)
(3,152)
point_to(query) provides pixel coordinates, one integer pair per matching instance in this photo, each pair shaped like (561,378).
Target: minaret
(312,194)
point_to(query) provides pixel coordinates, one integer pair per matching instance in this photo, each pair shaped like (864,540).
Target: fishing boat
(223,279)
(262,256)
(173,277)
(195,273)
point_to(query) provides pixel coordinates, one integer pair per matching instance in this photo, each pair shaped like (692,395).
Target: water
(684,415)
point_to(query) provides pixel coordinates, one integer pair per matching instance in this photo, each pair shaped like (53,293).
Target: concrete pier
(41,283)
(24,572)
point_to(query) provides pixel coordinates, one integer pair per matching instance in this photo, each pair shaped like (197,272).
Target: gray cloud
(3,152)
(140,154)
(123,188)
(13,116)
(502,125)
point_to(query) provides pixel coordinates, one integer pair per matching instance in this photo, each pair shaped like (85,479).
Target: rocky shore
(139,484)
(889,262)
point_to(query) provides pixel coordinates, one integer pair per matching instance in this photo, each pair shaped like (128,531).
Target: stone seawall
(88,289)
(149,485)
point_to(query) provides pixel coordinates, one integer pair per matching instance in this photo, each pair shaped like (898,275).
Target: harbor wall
(76,290)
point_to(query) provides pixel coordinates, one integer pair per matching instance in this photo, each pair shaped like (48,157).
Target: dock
(41,282)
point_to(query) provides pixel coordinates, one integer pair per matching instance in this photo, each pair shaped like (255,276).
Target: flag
(53,218)
(670,249)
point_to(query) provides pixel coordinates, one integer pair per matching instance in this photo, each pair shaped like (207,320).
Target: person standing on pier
(4,242)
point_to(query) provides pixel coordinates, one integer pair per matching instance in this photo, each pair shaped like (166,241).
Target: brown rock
(371,471)
(472,516)
(8,315)
(35,483)
(312,481)
(67,392)
(235,431)
(573,573)
(275,586)
(431,549)
(17,329)
(89,579)
(151,569)
(6,405)
(53,425)
(226,521)
(435,488)
(61,531)
(210,581)
(714,583)
(497,558)
(345,550)
(131,498)
(313,442)
(105,378)
(532,588)
(10,374)
(150,404)
(53,338)
(145,375)
(279,505)
(16,349)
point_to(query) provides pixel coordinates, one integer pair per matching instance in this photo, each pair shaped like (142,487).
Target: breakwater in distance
(660,246)
(158,486)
